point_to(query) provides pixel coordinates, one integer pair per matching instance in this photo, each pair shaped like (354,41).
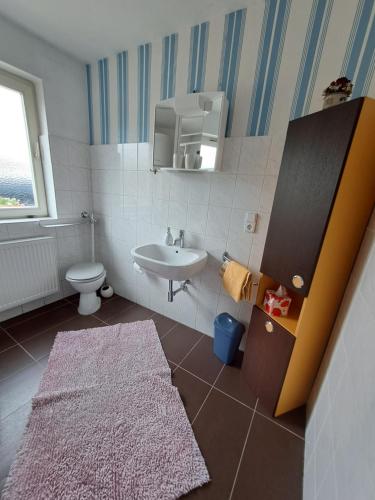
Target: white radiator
(28,270)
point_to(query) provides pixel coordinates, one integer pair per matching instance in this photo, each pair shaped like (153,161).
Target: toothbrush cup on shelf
(178,161)
(190,161)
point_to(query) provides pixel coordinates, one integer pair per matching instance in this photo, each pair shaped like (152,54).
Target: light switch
(250,222)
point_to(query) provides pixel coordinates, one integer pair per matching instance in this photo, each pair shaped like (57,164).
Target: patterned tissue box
(277,302)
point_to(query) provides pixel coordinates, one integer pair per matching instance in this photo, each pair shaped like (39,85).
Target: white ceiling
(90,29)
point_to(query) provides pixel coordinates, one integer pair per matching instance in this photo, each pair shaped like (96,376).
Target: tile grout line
(168,332)
(18,344)
(214,386)
(234,399)
(238,401)
(279,425)
(39,333)
(112,315)
(243,451)
(205,399)
(193,375)
(37,315)
(14,411)
(131,306)
(187,354)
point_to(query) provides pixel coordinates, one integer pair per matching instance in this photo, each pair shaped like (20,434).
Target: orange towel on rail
(237,281)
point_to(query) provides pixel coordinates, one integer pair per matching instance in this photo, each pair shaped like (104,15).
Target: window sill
(27,219)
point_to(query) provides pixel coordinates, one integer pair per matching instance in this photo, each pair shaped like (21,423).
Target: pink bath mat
(107,423)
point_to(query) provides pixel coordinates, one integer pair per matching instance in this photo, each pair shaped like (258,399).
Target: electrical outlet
(250,222)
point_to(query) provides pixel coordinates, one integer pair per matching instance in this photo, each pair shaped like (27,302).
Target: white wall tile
(60,153)
(247,192)
(79,154)
(254,155)
(161,186)
(64,203)
(197,218)
(206,312)
(178,191)
(102,204)
(198,187)
(160,213)
(81,201)
(227,304)
(145,156)
(130,183)
(130,207)
(130,156)
(339,434)
(106,156)
(145,183)
(61,177)
(177,214)
(218,221)
(231,154)
(268,193)
(79,179)
(113,181)
(215,247)
(239,247)
(222,190)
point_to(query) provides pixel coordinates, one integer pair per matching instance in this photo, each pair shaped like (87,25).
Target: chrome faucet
(180,240)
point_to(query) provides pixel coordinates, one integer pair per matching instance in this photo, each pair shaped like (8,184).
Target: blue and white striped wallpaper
(144,82)
(198,57)
(230,59)
(168,66)
(355,67)
(275,60)
(312,52)
(89,104)
(275,21)
(104,100)
(122,96)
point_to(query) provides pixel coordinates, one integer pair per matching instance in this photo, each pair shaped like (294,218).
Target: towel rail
(226,258)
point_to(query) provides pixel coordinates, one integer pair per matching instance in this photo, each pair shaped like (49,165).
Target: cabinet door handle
(297,281)
(269,326)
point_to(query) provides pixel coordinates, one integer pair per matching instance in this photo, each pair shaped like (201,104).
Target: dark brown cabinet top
(314,157)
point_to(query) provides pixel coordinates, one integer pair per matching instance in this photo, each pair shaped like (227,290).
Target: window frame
(27,89)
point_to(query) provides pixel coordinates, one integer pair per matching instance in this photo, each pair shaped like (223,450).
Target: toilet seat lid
(85,271)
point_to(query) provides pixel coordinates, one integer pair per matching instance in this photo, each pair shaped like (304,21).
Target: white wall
(135,206)
(71,169)
(340,435)
(63,80)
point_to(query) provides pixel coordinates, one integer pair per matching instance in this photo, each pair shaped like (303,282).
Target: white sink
(170,262)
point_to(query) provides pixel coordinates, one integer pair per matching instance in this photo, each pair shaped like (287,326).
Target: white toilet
(87,278)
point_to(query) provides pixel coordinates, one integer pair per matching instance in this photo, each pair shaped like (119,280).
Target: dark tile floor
(249,454)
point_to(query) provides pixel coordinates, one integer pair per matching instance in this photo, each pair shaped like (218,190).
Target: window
(22,192)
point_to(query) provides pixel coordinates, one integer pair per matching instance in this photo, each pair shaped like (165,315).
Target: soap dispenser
(169,237)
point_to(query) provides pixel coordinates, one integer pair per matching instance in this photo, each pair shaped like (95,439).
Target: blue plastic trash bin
(228,333)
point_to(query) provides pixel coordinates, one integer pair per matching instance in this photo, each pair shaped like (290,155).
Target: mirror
(189,131)
(164,136)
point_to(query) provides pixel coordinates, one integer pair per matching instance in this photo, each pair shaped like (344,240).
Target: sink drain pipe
(183,288)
